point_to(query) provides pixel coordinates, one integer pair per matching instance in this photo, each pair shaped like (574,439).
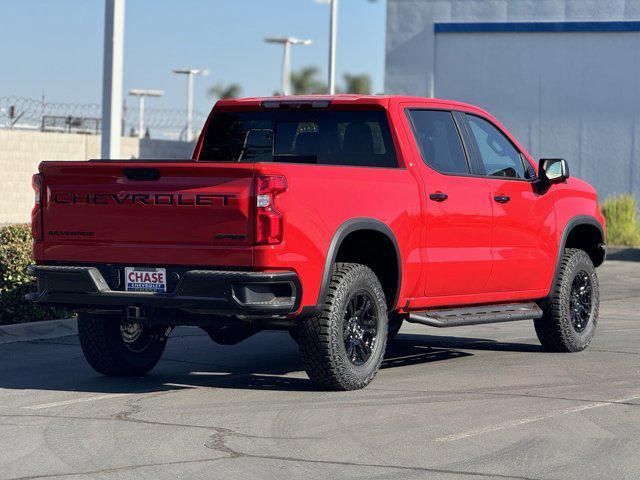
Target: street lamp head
(286,62)
(191,71)
(140,92)
(289,40)
(276,39)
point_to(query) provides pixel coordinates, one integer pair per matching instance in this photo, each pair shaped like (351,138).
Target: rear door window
(327,137)
(439,141)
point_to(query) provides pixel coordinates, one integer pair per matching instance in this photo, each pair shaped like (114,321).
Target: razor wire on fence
(33,114)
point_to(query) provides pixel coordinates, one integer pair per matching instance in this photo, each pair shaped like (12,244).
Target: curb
(623,253)
(26,332)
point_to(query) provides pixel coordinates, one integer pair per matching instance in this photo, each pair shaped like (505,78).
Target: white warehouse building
(562,75)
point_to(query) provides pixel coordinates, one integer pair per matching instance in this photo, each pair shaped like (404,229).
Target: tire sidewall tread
(105,351)
(321,339)
(554,329)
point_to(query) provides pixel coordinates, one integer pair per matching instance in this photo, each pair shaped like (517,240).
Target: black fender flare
(350,226)
(570,225)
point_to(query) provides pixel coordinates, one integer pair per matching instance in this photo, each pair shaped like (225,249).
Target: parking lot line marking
(77,400)
(526,420)
(185,385)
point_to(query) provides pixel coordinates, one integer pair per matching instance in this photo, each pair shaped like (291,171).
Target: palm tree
(358,83)
(220,90)
(304,81)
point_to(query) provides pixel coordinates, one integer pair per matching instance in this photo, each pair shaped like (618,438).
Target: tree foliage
(357,83)
(15,283)
(305,81)
(220,90)
(623,224)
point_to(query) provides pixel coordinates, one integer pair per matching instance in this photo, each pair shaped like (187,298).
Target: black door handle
(502,198)
(438,197)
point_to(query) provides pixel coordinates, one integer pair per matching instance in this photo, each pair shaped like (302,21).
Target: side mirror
(553,170)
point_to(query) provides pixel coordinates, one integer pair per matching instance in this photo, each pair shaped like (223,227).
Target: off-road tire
(106,351)
(320,339)
(555,329)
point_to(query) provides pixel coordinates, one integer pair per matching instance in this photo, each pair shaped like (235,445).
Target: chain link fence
(38,114)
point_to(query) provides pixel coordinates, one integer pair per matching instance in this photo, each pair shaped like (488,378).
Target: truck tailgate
(146,212)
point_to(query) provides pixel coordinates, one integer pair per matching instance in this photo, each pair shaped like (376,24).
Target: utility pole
(286,69)
(190,73)
(333,30)
(112,78)
(286,42)
(140,93)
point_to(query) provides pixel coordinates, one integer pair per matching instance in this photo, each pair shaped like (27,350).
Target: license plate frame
(145,279)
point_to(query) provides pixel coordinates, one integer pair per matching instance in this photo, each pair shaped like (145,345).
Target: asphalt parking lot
(472,402)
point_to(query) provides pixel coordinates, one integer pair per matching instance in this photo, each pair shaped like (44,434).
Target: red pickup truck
(334,217)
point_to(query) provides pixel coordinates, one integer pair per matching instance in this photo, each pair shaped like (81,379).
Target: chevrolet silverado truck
(336,218)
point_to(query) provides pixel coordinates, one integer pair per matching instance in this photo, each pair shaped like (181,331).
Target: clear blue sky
(55,46)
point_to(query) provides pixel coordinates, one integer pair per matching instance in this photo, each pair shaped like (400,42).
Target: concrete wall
(22,151)
(570,94)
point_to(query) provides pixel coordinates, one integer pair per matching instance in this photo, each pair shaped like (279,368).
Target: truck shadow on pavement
(267,361)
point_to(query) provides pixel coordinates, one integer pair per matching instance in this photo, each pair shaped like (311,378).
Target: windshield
(320,137)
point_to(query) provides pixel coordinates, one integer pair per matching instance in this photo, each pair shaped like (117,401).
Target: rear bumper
(196,291)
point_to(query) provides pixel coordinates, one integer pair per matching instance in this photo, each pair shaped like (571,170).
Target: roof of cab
(343,99)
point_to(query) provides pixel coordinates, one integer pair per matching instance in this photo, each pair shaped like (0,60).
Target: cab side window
(439,141)
(498,155)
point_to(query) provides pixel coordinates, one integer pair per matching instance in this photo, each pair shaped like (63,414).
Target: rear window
(439,141)
(360,138)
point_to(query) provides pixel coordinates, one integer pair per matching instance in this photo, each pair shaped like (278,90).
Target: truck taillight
(36,213)
(269,221)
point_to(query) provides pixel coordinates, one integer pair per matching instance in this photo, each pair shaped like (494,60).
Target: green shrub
(623,226)
(15,256)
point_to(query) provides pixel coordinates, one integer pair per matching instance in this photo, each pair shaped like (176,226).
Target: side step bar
(458,317)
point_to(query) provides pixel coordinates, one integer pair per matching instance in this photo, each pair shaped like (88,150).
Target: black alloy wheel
(580,302)
(360,331)
(135,335)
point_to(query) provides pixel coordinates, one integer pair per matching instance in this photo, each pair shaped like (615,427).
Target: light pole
(190,73)
(140,93)
(333,30)
(112,78)
(286,60)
